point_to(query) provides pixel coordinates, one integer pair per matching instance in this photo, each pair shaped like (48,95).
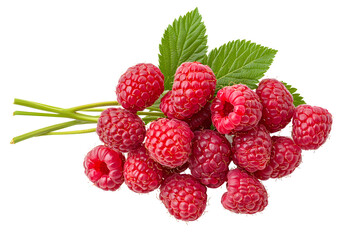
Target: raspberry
(311,126)
(285,158)
(184,197)
(251,149)
(120,129)
(167,106)
(167,172)
(200,120)
(277,101)
(210,159)
(142,174)
(104,167)
(139,87)
(169,142)
(235,108)
(194,85)
(245,193)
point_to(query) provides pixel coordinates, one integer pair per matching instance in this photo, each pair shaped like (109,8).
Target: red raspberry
(104,167)
(167,106)
(277,101)
(120,129)
(210,159)
(167,172)
(194,85)
(285,158)
(245,193)
(200,120)
(140,86)
(184,197)
(311,126)
(169,142)
(142,174)
(251,149)
(235,108)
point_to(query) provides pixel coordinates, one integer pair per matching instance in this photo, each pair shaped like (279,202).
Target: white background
(68,53)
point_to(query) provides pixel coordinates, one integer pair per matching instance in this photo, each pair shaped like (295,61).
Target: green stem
(152,108)
(156,105)
(45,130)
(92,105)
(147,116)
(159,114)
(40,114)
(71,132)
(103,109)
(36,105)
(23,113)
(149,119)
(64,112)
(93,110)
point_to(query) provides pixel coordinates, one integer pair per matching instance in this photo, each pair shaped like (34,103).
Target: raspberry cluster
(201,132)
(179,130)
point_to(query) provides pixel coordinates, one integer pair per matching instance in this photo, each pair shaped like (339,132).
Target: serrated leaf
(239,61)
(183,41)
(298,100)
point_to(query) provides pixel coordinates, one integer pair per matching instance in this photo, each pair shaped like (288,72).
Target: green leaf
(298,100)
(239,62)
(183,41)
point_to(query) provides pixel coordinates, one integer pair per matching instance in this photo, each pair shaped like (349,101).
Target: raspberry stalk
(25,113)
(153,113)
(69,113)
(71,132)
(45,130)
